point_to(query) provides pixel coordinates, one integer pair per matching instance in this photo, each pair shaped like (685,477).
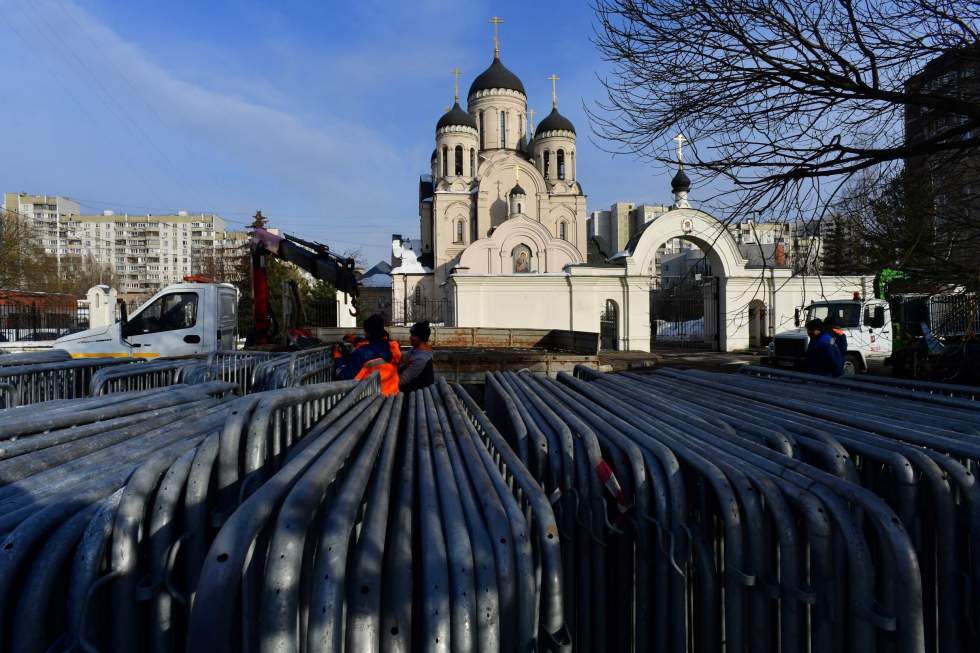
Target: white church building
(504,242)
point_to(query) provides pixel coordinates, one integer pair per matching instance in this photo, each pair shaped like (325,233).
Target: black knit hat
(421,330)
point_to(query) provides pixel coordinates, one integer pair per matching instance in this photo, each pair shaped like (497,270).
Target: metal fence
(317,518)
(954,315)
(435,311)
(72,379)
(31,322)
(703,511)
(684,312)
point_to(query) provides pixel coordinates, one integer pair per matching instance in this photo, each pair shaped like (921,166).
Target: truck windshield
(844,314)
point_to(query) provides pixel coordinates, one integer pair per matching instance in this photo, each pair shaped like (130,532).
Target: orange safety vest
(387,372)
(396,352)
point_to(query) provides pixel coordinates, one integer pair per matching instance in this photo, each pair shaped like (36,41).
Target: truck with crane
(198,317)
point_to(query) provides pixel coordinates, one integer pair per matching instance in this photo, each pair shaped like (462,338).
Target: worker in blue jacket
(823,356)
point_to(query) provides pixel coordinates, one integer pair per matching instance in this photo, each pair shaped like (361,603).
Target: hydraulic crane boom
(315,258)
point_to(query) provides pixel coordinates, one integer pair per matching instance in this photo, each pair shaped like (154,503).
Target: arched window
(563,230)
(472,162)
(561,164)
(547,164)
(445,161)
(459,231)
(482,132)
(519,208)
(503,129)
(459,161)
(521,256)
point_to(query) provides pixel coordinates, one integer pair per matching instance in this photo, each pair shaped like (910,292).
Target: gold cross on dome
(554,90)
(517,175)
(456,73)
(496,22)
(680,140)
(531,113)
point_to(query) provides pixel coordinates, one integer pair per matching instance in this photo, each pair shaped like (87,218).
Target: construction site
(249,501)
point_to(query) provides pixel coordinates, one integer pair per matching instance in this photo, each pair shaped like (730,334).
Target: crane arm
(314,258)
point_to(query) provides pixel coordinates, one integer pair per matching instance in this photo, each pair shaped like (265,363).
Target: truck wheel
(852,365)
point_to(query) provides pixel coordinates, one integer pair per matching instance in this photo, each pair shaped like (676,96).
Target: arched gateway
(686,309)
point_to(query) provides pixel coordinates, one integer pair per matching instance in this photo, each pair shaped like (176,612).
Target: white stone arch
(698,227)
(531,179)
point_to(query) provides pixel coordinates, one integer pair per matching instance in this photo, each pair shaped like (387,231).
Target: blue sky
(322,116)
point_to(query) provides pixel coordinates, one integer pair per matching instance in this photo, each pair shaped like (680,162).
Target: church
(501,197)
(504,240)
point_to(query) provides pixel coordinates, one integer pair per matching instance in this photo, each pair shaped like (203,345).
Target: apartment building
(147,252)
(144,252)
(47,213)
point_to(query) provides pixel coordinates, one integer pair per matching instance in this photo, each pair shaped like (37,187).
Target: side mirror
(796,317)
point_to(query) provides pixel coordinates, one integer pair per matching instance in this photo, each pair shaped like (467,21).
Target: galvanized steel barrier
(108,504)
(34,357)
(70,379)
(153,374)
(776,514)
(318,517)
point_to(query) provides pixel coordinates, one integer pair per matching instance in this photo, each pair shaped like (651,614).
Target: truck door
(877,326)
(227,318)
(170,325)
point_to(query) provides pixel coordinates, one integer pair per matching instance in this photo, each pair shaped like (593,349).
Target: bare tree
(783,100)
(24,265)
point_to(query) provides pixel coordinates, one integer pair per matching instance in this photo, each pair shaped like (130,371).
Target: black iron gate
(684,312)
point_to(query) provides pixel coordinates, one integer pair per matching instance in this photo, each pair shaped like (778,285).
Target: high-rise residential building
(144,252)
(952,179)
(48,214)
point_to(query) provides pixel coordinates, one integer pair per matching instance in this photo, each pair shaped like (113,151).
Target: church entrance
(684,312)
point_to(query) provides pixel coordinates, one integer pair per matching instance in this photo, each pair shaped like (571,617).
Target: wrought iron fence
(30,322)
(436,311)
(683,312)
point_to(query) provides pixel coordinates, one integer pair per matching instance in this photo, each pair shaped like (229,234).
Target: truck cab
(181,320)
(866,324)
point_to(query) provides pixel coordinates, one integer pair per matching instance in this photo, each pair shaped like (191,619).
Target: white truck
(181,320)
(866,323)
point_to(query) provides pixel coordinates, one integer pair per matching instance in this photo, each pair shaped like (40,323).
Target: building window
(563,231)
(458,156)
(459,231)
(445,161)
(561,164)
(482,132)
(503,129)
(547,164)
(472,162)
(521,256)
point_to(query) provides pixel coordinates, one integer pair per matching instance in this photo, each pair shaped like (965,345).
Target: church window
(482,132)
(547,164)
(445,161)
(503,129)
(458,156)
(561,164)
(521,256)
(472,162)
(459,231)
(563,231)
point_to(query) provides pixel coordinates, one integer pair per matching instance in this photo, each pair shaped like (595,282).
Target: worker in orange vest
(379,354)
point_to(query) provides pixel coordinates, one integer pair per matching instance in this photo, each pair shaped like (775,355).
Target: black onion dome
(555,122)
(517,190)
(456,117)
(680,182)
(496,76)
